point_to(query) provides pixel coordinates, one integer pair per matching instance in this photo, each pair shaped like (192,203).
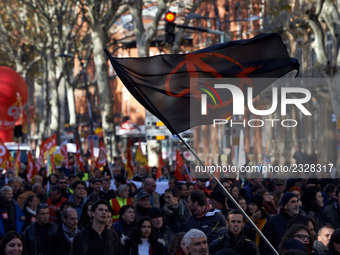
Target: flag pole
(167,123)
(229,196)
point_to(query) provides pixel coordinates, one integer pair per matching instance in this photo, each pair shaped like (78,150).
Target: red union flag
(178,164)
(129,165)
(17,161)
(3,155)
(31,170)
(49,145)
(101,160)
(61,154)
(79,158)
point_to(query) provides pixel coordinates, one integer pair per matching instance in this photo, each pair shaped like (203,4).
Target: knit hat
(257,200)
(154,212)
(218,196)
(286,197)
(293,244)
(295,188)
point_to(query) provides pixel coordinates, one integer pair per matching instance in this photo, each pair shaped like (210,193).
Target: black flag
(170,86)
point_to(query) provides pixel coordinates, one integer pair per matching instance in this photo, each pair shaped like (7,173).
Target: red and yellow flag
(179,162)
(160,165)
(61,154)
(17,161)
(50,146)
(140,156)
(79,158)
(5,161)
(101,160)
(128,165)
(31,170)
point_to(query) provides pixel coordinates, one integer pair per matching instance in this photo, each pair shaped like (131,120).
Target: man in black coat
(234,238)
(60,243)
(161,230)
(278,224)
(175,212)
(97,238)
(36,236)
(204,217)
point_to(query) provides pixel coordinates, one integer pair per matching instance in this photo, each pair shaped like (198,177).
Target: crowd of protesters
(72,212)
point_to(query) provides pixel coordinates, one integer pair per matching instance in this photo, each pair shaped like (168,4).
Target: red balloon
(13,97)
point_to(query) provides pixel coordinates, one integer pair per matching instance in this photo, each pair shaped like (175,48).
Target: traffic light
(170,27)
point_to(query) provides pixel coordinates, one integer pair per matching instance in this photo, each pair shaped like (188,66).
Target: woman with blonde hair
(121,200)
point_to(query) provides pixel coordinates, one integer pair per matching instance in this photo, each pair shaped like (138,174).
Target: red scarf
(207,209)
(150,250)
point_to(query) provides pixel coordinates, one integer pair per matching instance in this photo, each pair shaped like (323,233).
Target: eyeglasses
(337,241)
(302,236)
(62,182)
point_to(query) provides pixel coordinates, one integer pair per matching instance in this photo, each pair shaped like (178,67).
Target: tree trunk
(54,98)
(45,109)
(104,91)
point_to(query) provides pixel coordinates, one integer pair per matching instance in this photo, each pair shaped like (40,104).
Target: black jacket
(174,219)
(31,242)
(166,234)
(212,219)
(275,230)
(58,245)
(240,244)
(82,240)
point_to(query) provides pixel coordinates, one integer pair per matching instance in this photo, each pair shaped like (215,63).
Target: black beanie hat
(286,197)
(154,212)
(218,196)
(257,200)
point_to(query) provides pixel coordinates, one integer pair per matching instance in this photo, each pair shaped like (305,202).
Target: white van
(23,147)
